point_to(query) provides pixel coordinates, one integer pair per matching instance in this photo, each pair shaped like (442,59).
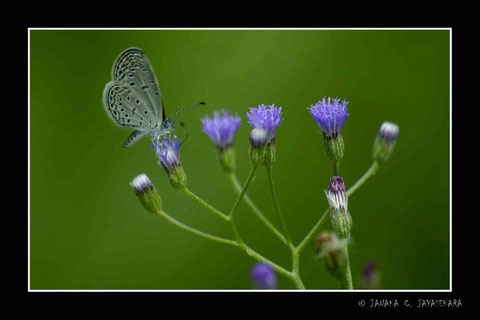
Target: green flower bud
(147,194)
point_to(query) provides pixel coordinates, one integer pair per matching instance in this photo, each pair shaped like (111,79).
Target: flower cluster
(330,115)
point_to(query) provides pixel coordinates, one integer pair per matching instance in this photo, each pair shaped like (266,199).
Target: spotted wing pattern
(133,70)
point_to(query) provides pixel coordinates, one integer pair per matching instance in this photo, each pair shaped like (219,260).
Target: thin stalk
(336,168)
(249,251)
(205,204)
(370,172)
(256,211)
(297,280)
(237,236)
(312,232)
(277,207)
(244,190)
(199,233)
(347,276)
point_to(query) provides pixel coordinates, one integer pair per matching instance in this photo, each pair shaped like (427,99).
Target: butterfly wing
(127,109)
(134,138)
(133,70)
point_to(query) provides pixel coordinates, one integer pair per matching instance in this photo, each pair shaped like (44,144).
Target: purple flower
(330,115)
(168,153)
(263,276)
(388,132)
(221,128)
(264,121)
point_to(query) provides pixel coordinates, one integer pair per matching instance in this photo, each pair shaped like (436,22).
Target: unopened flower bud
(385,141)
(167,152)
(338,201)
(147,194)
(263,276)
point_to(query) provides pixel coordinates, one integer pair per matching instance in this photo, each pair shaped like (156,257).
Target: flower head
(221,128)
(264,121)
(141,183)
(385,141)
(330,115)
(388,132)
(167,152)
(147,194)
(338,201)
(263,276)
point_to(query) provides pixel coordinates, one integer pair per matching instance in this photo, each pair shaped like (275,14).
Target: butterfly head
(165,130)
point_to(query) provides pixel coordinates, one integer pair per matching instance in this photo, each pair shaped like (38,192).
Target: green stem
(277,207)
(347,276)
(336,168)
(370,172)
(244,190)
(195,231)
(204,204)
(312,232)
(253,207)
(297,280)
(252,253)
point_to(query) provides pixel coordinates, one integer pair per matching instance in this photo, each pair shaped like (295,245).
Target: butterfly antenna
(186,108)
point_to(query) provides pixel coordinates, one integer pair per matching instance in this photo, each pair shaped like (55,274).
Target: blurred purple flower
(263,276)
(221,128)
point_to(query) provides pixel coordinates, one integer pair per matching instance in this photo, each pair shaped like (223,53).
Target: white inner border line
(245,290)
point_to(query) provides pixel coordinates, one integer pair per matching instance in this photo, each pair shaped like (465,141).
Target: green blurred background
(88,230)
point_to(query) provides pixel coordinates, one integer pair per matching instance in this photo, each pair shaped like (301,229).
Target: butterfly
(133,99)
